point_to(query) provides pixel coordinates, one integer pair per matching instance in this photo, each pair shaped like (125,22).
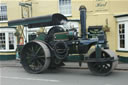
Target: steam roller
(63,44)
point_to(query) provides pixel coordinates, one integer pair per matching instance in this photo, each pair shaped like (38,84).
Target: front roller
(35,57)
(105,67)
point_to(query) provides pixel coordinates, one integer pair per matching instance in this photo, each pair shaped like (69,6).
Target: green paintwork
(61,36)
(98,51)
(42,37)
(123,59)
(32,20)
(39,21)
(75,58)
(7,57)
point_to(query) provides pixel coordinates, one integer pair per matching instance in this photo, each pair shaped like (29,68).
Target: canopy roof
(48,20)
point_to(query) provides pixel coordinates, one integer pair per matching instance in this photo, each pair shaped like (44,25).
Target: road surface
(17,76)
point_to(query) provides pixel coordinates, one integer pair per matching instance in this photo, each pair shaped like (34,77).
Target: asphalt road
(17,76)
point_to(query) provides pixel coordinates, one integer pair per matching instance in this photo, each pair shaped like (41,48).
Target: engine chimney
(83,21)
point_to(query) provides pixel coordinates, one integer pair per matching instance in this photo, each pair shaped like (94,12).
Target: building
(111,14)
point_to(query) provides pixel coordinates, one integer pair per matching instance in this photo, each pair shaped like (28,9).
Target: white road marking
(31,79)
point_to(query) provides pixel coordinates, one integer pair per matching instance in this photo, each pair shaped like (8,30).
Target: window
(122,30)
(7,39)
(123,35)
(2,41)
(11,41)
(65,7)
(3,12)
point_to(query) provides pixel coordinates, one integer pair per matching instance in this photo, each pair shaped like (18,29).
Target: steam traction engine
(52,49)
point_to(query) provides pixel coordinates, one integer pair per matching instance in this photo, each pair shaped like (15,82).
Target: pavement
(69,65)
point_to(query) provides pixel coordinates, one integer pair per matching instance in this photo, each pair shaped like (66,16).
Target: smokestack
(83,21)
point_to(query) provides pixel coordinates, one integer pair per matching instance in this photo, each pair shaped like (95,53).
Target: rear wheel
(35,57)
(103,68)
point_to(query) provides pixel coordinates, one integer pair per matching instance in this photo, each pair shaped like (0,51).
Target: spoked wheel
(35,57)
(103,68)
